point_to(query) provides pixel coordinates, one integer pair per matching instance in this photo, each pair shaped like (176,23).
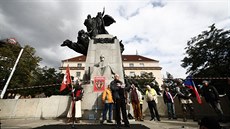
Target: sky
(157,29)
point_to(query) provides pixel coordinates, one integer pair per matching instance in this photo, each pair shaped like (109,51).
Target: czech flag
(190,84)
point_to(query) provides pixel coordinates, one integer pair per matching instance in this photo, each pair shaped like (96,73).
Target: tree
(23,75)
(28,76)
(208,54)
(143,80)
(48,76)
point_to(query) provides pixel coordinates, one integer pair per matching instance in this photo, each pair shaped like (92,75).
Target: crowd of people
(117,95)
(122,95)
(185,95)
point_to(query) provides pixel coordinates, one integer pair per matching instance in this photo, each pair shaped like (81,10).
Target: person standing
(75,106)
(168,100)
(141,106)
(118,92)
(151,98)
(184,95)
(107,99)
(211,96)
(135,98)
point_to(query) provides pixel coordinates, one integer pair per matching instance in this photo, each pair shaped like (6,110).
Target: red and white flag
(66,80)
(12,41)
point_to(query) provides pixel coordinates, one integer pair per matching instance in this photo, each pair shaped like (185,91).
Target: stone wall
(52,107)
(57,106)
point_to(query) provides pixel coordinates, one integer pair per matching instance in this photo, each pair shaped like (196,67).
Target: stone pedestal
(107,46)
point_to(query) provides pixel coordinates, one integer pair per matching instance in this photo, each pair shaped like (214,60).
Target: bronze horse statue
(81,46)
(95,26)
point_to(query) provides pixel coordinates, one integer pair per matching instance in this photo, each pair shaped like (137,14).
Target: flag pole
(73,107)
(11,74)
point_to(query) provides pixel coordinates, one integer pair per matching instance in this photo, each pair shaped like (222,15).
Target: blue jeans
(171,110)
(107,106)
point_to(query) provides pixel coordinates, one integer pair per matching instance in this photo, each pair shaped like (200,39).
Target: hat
(205,81)
(147,86)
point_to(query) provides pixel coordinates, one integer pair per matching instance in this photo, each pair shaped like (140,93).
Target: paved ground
(61,124)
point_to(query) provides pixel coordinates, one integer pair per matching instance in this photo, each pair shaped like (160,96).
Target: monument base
(108,47)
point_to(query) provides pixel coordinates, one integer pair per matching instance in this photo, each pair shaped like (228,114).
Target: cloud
(43,25)
(158,29)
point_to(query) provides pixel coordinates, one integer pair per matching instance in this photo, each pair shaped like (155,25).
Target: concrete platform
(61,124)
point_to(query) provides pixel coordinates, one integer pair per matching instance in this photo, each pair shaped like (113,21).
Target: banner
(66,80)
(99,84)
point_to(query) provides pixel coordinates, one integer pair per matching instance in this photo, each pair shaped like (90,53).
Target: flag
(12,41)
(66,80)
(190,84)
(169,76)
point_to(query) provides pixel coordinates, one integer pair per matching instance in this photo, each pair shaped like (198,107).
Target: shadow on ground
(179,123)
(91,126)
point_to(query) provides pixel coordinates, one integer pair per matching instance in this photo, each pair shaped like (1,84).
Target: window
(78,74)
(142,65)
(131,65)
(143,72)
(79,65)
(132,74)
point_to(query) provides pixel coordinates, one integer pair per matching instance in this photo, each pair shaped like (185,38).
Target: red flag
(190,84)
(66,80)
(12,41)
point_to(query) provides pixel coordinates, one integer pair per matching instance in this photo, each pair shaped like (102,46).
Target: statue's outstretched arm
(103,11)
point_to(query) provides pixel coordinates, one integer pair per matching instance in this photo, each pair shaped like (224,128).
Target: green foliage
(27,64)
(208,55)
(143,80)
(27,73)
(47,76)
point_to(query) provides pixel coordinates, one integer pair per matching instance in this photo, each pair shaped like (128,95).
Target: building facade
(133,65)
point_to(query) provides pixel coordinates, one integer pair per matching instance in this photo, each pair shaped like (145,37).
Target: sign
(99,84)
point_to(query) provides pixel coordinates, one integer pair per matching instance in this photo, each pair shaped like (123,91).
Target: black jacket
(118,92)
(210,93)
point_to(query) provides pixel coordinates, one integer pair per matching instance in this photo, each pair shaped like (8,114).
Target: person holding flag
(76,95)
(191,85)
(74,112)
(184,94)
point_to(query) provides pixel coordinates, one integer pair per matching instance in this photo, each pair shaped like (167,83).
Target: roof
(136,58)
(82,58)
